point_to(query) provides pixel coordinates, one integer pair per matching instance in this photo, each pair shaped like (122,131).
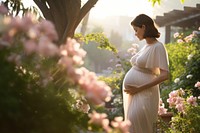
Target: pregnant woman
(141,84)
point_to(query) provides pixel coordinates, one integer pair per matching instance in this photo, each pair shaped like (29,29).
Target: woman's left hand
(131,89)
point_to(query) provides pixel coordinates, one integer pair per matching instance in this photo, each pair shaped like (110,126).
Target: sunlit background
(116,15)
(131,8)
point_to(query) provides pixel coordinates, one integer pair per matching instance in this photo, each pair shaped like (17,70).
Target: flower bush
(184,64)
(185,68)
(186,110)
(44,87)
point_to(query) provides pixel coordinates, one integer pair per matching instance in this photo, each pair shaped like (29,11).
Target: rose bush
(186,112)
(185,68)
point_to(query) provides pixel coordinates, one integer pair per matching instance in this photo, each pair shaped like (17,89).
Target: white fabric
(142,108)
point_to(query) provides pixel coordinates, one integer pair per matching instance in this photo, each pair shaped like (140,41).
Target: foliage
(115,106)
(184,63)
(99,38)
(99,51)
(154,2)
(178,53)
(191,76)
(42,81)
(184,91)
(29,107)
(187,123)
(186,114)
(186,111)
(16,7)
(159,1)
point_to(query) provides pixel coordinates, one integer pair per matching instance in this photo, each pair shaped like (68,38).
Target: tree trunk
(65,14)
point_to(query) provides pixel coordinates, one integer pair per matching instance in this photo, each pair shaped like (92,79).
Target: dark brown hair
(151,30)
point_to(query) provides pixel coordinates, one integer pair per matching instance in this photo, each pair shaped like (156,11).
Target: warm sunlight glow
(28,3)
(105,8)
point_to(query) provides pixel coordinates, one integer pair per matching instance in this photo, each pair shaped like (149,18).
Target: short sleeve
(158,59)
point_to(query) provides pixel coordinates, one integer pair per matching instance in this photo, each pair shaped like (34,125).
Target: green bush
(187,123)
(193,69)
(115,105)
(184,60)
(28,107)
(178,54)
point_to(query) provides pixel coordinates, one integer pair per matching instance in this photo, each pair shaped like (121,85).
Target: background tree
(65,14)
(116,39)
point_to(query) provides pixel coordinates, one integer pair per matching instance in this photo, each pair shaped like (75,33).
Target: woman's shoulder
(159,44)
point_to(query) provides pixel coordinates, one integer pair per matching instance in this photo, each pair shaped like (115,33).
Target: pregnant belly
(135,77)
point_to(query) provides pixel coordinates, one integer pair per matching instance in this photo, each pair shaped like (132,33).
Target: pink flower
(133,49)
(192,101)
(48,29)
(21,24)
(33,32)
(171,101)
(175,98)
(197,85)
(173,93)
(28,21)
(176,35)
(77,60)
(97,118)
(179,100)
(46,47)
(66,62)
(30,46)
(180,41)
(180,107)
(73,50)
(189,38)
(72,55)
(121,125)
(100,119)
(162,109)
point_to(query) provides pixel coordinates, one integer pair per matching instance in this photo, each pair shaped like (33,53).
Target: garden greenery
(46,89)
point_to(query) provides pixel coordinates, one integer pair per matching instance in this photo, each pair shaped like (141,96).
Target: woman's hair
(150,30)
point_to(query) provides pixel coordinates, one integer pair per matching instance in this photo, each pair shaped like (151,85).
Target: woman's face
(139,32)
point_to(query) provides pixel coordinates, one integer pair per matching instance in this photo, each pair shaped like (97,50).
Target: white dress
(142,108)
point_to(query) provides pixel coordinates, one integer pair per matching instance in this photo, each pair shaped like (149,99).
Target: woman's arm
(131,89)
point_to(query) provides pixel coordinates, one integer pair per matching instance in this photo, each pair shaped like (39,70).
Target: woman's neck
(151,40)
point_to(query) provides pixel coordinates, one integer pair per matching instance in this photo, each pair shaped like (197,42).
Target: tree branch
(85,9)
(73,11)
(44,9)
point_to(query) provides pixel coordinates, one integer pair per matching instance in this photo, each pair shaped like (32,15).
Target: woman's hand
(131,89)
